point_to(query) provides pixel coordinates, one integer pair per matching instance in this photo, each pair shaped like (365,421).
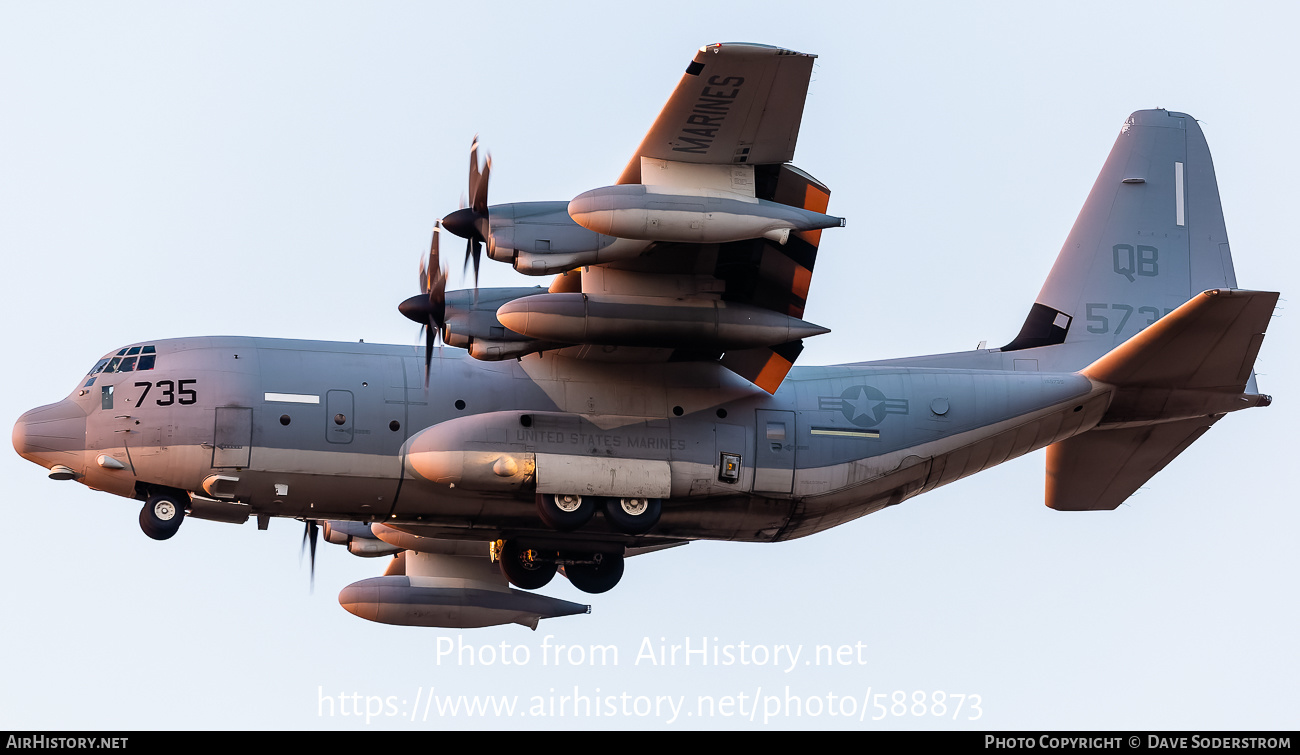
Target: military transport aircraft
(646,397)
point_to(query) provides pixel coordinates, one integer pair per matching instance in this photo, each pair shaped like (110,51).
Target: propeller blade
(429,335)
(309,533)
(479,192)
(434,259)
(478,256)
(314,529)
(438,302)
(473,168)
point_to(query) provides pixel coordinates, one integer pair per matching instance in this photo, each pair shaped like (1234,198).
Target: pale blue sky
(274,169)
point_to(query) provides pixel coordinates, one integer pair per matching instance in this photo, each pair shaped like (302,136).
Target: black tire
(635,516)
(598,577)
(161,516)
(522,568)
(565,512)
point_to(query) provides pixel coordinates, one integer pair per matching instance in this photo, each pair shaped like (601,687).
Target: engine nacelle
(340,531)
(539,238)
(358,539)
(472,324)
(655,213)
(651,321)
(421,544)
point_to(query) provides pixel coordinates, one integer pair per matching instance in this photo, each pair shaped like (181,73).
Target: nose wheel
(161,516)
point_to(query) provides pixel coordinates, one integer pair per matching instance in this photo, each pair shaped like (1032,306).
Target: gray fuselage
(320,430)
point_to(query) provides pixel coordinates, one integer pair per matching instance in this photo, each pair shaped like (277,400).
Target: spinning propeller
(471,223)
(429,307)
(309,533)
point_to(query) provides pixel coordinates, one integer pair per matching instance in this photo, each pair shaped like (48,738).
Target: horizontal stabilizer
(1098,470)
(1208,343)
(1172,382)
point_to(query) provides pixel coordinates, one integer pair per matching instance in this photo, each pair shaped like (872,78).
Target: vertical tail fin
(1150,236)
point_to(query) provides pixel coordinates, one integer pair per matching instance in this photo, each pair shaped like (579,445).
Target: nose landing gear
(161,516)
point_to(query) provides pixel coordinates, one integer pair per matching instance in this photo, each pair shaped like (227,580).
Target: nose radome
(20,435)
(49,430)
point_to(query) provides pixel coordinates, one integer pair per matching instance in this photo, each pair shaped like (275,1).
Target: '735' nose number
(170,392)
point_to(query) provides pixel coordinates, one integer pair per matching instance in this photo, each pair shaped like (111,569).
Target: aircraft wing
(737,103)
(729,128)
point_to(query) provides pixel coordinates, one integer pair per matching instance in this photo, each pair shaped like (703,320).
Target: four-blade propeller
(471,223)
(429,307)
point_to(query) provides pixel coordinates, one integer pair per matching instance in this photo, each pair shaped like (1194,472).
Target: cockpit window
(132,359)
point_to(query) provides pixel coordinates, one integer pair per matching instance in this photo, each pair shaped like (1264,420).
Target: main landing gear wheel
(565,512)
(601,575)
(524,567)
(161,516)
(635,516)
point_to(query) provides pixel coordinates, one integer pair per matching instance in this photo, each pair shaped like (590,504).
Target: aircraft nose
(48,432)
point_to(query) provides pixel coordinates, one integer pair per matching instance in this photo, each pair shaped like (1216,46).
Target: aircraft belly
(860,487)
